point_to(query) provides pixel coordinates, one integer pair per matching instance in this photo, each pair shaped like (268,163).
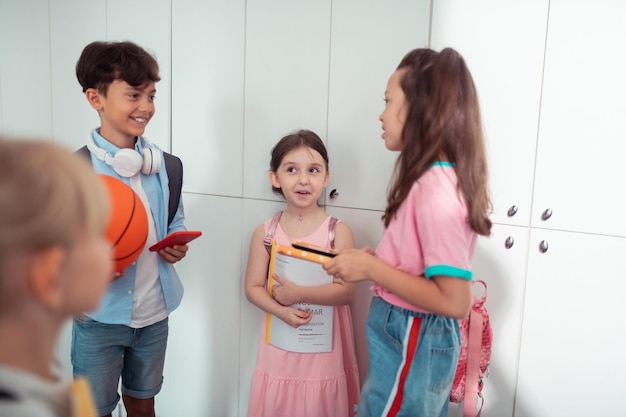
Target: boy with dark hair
(55,262)
(127,336)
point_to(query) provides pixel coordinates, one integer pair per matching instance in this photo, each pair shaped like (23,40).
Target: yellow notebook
(303,268)
(83,404)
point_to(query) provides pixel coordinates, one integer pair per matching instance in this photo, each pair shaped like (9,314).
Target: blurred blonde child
(54,263)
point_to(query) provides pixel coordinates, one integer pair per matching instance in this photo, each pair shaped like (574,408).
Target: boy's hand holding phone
(174,246)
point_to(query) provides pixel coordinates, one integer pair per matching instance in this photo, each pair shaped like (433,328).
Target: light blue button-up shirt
(117,305)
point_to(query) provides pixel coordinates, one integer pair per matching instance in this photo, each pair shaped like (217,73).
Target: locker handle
(547,213)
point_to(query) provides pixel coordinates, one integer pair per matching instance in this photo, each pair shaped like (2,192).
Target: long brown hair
(443,118)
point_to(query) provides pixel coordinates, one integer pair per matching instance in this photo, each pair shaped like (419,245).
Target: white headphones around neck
(128,162)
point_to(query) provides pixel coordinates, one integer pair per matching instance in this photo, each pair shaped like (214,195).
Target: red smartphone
(182,237)
(309,247)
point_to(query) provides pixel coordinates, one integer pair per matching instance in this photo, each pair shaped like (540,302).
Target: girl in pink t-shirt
(286,383)
(437,204)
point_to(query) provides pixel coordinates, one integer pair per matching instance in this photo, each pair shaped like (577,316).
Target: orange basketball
(127,228)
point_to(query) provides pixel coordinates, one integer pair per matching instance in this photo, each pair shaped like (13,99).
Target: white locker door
(153,32)
(201,376)
(503,46)
(286,80)
(581,146)
(369,38)
(25,89)
(72,117)
(208,41)
(573,343)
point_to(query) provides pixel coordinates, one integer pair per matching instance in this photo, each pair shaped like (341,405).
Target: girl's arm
(339,292)
(256,292)
(443,295)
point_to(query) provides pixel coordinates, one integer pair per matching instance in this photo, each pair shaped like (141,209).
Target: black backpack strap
(174,167)
(269,235)
(84,152)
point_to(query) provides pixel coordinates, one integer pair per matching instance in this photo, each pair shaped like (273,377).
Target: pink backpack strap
(269,235)
(472,371)
(331,231)
(473,382)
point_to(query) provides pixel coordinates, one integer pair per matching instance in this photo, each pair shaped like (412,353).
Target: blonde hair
(48,197)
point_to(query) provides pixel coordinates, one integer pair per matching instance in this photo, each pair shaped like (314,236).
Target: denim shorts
(105,352)
(412,362)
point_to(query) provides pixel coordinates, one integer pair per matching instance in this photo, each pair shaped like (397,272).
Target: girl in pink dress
(292,384)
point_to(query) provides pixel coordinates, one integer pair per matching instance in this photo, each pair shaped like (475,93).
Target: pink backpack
(476,338)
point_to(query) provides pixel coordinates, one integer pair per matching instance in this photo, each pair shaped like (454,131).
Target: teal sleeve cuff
(449,271)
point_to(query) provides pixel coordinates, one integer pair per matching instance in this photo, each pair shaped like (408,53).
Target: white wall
(239,74)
